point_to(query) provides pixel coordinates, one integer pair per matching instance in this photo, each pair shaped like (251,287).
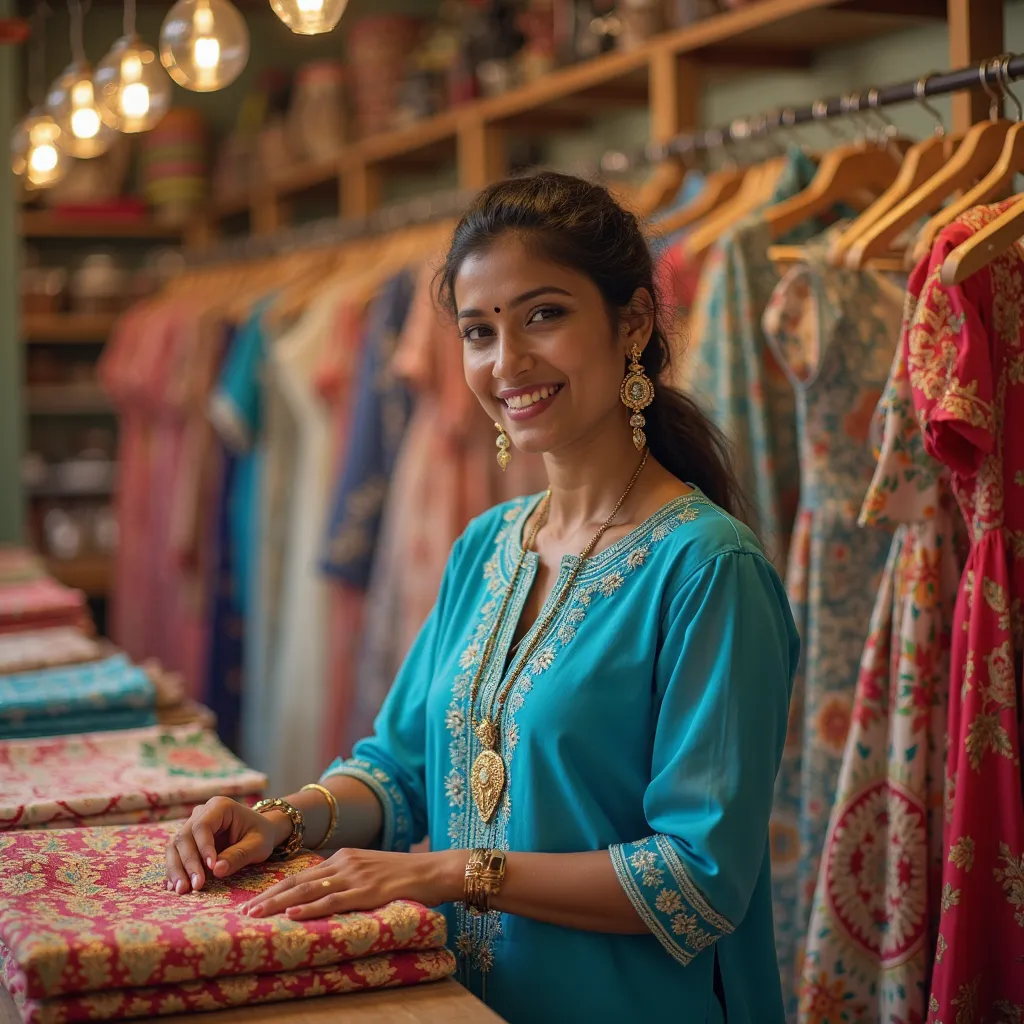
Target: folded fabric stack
(41,603)
(117,778)
(95,696)
(47,648)
(88,931)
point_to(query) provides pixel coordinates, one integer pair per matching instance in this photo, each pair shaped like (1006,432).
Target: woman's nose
(512,357)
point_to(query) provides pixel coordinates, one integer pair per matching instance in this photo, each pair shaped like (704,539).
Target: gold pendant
(487,733)
(487,780)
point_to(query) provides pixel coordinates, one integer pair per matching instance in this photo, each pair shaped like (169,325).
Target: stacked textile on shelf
(138,775)
(96,696)
(87,930)
(41,603)
(47,648)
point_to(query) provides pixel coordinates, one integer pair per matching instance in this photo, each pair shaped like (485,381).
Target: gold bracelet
(294,842)
(332,802)
(485,871)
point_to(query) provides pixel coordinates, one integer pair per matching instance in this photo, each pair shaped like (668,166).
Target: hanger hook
(1004,84)
(920,91)
(819,114)
(994,100)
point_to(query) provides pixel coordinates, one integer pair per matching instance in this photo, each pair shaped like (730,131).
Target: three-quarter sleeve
(724,676)
(392,762)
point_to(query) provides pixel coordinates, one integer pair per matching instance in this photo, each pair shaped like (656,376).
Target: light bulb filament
(135,100)
(206,52)
(311,6)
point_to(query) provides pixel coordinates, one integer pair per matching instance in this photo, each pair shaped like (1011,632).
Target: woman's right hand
(221,837)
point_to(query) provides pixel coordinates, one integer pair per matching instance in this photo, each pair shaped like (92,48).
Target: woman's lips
(533,409)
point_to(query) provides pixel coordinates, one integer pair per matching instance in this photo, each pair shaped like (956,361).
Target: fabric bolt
(833,333)
(446,474)
(965,357)
(47,648)
(389,970)
(733,373)
(85,911)
(76,698)
(874,921)
(41,603)
(75,779)
(381,409)
(703,629)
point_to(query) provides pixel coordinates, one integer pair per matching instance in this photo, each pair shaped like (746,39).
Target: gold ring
(326,883)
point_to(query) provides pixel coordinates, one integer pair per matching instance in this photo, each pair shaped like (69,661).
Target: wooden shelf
(763,34)
(66,400)
(44,224)
(68,328)
(91,573)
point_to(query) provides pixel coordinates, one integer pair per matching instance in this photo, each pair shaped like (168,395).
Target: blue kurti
(650,722)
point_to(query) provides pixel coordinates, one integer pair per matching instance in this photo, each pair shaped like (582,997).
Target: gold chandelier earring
(637,392)
(504,443)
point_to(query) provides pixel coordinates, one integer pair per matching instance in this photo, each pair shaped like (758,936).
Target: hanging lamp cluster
(204,45)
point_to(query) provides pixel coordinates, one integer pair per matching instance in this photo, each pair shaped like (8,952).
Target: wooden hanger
(975,156)
(994,185)
(841,175)
(719,187)
(660,187)
(984,246)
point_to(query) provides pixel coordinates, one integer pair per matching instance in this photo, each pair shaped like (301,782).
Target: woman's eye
(478,332)
(545,313)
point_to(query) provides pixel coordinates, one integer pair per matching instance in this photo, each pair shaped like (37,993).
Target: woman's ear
(636,321)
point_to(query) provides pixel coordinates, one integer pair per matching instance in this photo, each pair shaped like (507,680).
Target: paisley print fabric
(965,356)
(92,779)
(85,911)
(833,333)
(47,648)
(873,926)
(96,696)
(39,604)
(389,970)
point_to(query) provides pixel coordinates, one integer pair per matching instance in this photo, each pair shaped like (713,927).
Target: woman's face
(540,350)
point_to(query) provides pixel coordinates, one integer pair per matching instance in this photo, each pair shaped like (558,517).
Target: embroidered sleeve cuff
(666,898)
(397,831)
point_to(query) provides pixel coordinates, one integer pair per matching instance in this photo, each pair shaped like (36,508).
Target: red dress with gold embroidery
(965,352)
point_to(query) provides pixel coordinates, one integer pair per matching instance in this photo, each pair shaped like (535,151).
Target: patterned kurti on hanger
(873,926)
(833,332)
(965,353)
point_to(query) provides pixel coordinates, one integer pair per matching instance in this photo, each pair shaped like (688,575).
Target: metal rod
(989,72)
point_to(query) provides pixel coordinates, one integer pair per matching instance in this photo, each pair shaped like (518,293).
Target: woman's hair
(578,225)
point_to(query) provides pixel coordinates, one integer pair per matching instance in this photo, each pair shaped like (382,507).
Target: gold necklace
(488,774)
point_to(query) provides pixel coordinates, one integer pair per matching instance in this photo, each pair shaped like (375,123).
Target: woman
(602,687)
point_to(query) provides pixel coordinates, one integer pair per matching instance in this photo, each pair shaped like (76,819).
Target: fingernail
(209,863)
(256,912)
(167,884)
(179,886)
(195,881)
(220,864)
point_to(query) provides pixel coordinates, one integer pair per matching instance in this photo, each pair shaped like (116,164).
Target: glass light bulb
(309,17)
(71,102)
(132,92)
(204,44)
(35,151)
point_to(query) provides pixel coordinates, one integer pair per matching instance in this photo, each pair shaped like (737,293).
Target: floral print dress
(872,933)
(965,353)
(834,333)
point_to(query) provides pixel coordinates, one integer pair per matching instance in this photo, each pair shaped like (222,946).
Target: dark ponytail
(577,224)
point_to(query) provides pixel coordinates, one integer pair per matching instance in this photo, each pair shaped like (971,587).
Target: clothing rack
(994,72)
(331,231)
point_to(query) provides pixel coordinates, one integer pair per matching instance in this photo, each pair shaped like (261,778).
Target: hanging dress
(872,933)
(965,353)
(833,332)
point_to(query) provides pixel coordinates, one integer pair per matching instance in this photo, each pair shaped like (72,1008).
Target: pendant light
(309,17)
(71,101)
(35,155)
(204,44)
(132,91)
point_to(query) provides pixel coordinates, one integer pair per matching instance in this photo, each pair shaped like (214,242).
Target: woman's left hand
(364,880)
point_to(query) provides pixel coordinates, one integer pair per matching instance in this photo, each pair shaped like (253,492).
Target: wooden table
(442,1002)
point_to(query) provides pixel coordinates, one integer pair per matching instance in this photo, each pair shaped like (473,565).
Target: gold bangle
(332,802)
(485,871)
(294,842)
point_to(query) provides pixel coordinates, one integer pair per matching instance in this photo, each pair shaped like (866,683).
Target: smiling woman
(589,726)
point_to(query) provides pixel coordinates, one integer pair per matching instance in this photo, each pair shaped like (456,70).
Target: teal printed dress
(649,722)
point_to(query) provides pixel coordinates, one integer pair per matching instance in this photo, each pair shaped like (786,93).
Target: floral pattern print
(88,780)
(389,970)
(965,356)
(85,911)
(834,333)
(873,925)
